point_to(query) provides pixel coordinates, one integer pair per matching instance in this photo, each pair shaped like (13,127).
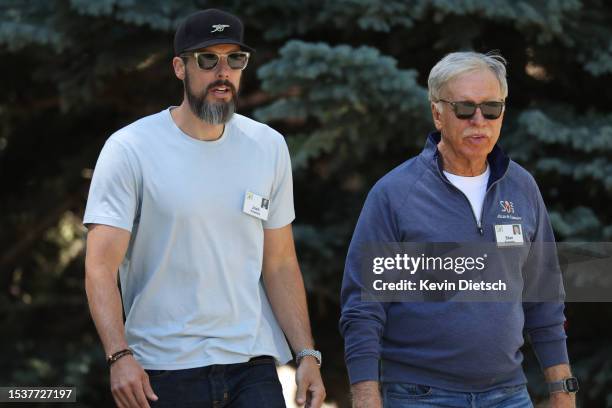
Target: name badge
(509,234)
(256,205)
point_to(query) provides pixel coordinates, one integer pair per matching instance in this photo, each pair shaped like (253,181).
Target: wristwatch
(569,384)
(309,352)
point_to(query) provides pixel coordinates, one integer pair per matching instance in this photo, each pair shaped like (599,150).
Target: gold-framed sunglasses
(207,60)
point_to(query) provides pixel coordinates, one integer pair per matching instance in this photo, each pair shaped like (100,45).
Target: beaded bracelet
(116,356)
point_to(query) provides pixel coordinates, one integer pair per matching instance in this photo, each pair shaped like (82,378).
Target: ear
(437,116)
(179,67)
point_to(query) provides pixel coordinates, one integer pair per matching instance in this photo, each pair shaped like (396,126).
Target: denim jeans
(251,384)
(403,395)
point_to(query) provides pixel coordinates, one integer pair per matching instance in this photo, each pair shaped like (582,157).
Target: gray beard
(214,113)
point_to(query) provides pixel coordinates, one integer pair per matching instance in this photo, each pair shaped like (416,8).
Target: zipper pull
(480,231)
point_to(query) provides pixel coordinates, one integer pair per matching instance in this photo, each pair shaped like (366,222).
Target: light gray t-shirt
(191,278)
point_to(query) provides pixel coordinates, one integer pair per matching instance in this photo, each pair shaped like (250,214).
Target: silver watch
(309,352)
(569,384)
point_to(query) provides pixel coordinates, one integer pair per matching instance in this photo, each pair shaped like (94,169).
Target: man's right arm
(362,322)
(106,247)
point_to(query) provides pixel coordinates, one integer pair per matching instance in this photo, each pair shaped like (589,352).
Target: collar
(497,159)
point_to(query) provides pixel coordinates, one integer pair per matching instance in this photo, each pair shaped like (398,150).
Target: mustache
(221,82)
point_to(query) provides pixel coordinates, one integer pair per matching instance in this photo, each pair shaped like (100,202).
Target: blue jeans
(251,384)
(403,395)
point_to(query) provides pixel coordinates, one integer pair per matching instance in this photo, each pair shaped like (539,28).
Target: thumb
(148,390)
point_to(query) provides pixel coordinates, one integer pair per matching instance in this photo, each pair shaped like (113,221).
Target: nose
(478,118)
(223,68)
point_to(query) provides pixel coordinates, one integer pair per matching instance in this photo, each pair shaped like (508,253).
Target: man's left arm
(285,290)
(544,317)
(560,399)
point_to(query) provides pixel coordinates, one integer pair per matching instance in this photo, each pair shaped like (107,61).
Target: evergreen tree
(345,82)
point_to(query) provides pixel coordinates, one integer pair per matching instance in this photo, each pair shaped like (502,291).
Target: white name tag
(509,234)
(256,205)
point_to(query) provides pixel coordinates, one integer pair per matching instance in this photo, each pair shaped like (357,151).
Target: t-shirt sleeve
(281,210)
(113,194)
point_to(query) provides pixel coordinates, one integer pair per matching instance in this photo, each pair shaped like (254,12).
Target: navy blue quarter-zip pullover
(461,346)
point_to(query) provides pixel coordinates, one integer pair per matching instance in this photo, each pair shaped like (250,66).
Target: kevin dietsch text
(430,286)
(413,264)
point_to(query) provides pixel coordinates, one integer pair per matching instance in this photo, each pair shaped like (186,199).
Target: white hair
(458,63)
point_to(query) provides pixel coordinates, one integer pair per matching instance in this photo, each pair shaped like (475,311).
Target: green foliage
(333,86)
(370,15)
(156,14)
(32,23)
(573,149)
(345,81)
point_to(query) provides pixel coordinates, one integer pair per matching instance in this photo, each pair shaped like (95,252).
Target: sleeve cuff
(104,220)
(279,223)
(363,369)
(551,353)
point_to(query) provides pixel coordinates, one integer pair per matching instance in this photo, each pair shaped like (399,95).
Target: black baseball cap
(209,27)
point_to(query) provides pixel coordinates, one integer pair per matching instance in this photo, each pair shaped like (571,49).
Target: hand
(130,384)
(366,395)
(310,389)
(562,400)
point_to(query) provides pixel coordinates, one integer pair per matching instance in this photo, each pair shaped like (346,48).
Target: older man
(459,189)
(194,206)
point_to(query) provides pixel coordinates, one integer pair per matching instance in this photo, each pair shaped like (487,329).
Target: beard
(214,113)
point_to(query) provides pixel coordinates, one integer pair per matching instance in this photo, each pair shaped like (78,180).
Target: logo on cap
(219,27)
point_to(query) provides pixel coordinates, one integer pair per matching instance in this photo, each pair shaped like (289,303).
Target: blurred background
(345,82)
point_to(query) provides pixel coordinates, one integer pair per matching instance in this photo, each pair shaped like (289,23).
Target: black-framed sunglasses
(207,60)
(466,109)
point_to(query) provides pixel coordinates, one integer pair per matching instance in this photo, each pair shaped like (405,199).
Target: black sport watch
(569,384)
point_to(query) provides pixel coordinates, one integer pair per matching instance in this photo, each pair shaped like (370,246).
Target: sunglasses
(209,60)
(465,109)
